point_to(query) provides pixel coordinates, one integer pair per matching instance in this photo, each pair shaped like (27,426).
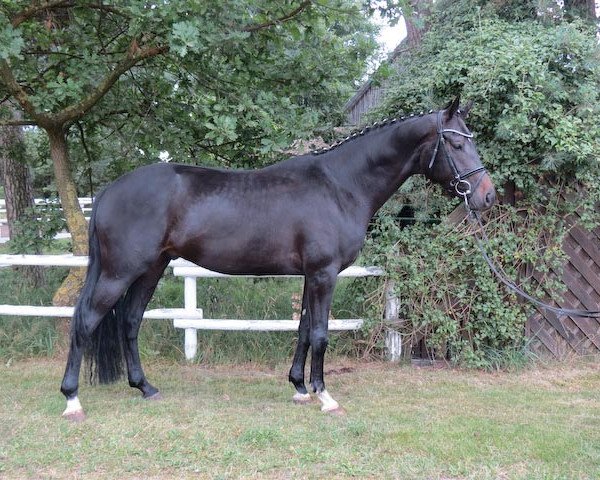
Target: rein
(483,241)
(463,189)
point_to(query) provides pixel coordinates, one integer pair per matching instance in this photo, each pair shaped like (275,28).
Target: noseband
(459,183)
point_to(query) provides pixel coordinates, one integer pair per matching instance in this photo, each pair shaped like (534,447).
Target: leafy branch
(36,8)
(284,18)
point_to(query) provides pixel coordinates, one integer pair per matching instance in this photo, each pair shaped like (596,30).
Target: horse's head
(453,161)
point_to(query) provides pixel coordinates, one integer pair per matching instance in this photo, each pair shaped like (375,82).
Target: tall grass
(22,337)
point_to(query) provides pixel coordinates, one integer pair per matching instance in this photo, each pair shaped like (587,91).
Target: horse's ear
(464,111)
(452,108)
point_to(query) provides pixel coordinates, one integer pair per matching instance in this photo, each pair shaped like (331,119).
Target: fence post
(393,339)
(190,303)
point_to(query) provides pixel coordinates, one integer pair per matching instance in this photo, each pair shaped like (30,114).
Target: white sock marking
(73,406)
(328,403)
(301,397)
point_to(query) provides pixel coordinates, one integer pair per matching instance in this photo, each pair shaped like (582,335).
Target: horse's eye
(459,146)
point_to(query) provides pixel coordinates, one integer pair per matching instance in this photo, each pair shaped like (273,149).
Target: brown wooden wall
(564,336)
(367,97)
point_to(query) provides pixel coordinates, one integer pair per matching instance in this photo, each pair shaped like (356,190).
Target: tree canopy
(218,82)
(213,82)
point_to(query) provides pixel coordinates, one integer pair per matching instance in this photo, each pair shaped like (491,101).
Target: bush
(448,294)
(536,86)
(35,231)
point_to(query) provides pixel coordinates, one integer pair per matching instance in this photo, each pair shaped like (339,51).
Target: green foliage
(536,87)
(37,228)
(241,80)
(448,294)
(28,337)
(247,94)
(11,42)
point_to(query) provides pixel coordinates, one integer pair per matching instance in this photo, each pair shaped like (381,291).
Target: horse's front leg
(320,286)
(296,375)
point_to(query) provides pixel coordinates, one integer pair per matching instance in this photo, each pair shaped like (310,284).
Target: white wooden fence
(84,202)
(190,317)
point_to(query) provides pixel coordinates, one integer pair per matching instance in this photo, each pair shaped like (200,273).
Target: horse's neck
(376,164)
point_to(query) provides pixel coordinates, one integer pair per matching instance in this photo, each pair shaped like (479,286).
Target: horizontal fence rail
(190,317)
(84,202)
(185,267)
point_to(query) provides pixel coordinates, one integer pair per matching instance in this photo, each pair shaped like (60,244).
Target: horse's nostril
(490,198)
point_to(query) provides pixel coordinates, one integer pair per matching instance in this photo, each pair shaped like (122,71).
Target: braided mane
(367,129)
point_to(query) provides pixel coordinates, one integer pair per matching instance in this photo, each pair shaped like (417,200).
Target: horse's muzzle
(484,196)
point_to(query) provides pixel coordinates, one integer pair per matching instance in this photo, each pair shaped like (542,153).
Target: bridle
(459,183)
(463,189)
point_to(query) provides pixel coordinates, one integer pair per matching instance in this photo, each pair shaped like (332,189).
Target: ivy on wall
(536,87)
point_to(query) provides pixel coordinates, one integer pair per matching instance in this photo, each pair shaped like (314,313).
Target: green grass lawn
(239,422)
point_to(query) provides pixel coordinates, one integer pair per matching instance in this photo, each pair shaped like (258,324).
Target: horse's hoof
(301,398)
(154,397)
(74,417)
(336,412)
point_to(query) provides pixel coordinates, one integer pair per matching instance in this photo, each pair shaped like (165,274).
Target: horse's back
(273,220)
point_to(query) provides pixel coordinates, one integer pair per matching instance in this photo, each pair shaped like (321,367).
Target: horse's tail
(103,347)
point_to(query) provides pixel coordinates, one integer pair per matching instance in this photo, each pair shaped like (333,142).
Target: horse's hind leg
(296,375)
(105,295)
(136,300)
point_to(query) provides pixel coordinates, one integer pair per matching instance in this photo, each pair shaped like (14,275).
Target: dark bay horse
(307,215)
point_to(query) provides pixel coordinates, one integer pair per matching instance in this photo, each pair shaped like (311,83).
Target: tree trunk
(18,191)
(585,9)
(15,175)
(69,290)
(416,23)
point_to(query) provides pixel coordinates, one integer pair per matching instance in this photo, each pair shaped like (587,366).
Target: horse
(307,215)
